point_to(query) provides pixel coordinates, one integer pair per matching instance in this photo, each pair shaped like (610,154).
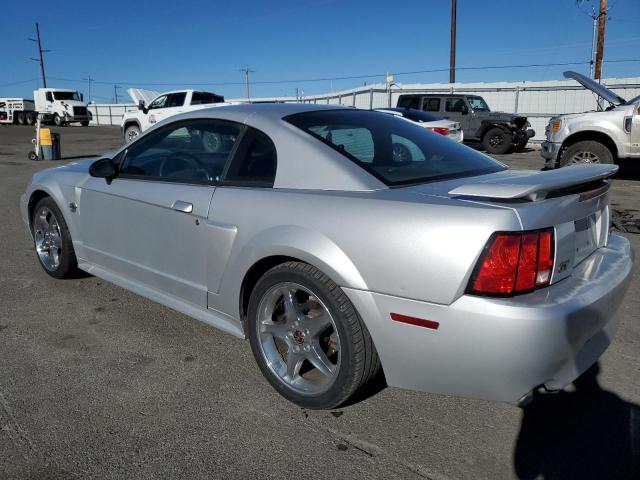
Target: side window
(254,162)
(409,101)
(159,102)
(49,97)
(192,151)
(431,105)
(454,105)
(176,99)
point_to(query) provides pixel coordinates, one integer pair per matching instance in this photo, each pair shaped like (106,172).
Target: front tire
(496,141)
(52,240)
(57,120)
(85,124)
(307,337)
(131,133)
(585,153)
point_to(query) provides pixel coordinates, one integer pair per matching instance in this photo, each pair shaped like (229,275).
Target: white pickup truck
(597,136)
(154,107)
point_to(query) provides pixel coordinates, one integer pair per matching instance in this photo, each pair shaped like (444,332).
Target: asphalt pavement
(97,382)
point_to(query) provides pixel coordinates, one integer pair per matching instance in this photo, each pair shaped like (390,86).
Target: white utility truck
(153,107)
(18,111)
(54,105)
(61,106)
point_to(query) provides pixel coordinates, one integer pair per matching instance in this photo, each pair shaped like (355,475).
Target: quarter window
(194,151)
(254,162)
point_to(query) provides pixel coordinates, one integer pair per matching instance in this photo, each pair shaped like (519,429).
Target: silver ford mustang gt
(296,226)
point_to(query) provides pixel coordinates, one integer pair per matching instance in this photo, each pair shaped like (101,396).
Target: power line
(347,77)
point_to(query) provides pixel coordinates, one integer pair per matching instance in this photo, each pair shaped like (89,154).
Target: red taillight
(514,262)
(441,131)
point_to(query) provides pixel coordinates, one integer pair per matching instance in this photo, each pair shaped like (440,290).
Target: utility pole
(89,80)
(246,72)
(602,20)
(592,59)
(115,93)
(452,58)
(40,58)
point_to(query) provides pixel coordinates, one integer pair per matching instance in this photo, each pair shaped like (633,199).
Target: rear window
(395,151)
(202,98)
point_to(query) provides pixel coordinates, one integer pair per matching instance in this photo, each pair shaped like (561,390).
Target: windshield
(66,96)
(395,151)
(478,104)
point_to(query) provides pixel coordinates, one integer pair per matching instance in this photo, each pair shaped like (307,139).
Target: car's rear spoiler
(535,185)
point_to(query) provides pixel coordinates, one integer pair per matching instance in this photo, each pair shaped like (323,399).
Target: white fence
(536,100)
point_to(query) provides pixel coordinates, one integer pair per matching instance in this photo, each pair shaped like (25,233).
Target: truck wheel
(20,118)
(131,133)
(57,121)
(30,118)
(85,124)
(496,141)
(586,152)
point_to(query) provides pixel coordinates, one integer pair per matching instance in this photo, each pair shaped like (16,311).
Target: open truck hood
(595,87)
(138,94)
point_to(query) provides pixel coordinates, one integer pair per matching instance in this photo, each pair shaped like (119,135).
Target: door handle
(181,206)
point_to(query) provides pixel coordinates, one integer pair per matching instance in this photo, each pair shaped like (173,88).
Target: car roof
(329,170)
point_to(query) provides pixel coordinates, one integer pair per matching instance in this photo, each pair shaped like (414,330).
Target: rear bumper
(501,349)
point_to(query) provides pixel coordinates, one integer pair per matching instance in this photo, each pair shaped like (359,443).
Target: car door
(149,224)
(456,109)
(175,105)
(635,131)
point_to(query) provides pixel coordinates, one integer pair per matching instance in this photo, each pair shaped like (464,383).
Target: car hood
(517,120)
(595,87)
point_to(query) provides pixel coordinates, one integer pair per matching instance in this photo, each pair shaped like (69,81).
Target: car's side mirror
(142,106)
(81,97)
(103,168)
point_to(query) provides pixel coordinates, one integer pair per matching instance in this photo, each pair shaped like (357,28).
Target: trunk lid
(572,200)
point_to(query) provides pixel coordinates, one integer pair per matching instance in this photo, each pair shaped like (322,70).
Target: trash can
(56,146)
(46,146)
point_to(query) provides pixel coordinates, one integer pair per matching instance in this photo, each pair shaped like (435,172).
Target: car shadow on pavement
(589,433)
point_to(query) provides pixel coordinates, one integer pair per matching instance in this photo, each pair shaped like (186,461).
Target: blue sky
(136,43)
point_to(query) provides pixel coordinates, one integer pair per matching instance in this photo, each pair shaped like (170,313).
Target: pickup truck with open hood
(596,136)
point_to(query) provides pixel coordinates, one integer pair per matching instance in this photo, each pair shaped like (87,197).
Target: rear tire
(585,153)
(85,124)
(496,141)
(20,118)
(52,240)
(30,118)
(317,325)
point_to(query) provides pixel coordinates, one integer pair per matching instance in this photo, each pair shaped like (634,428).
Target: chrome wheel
(47,237)
(584,157)
(298,338)
(132,133)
